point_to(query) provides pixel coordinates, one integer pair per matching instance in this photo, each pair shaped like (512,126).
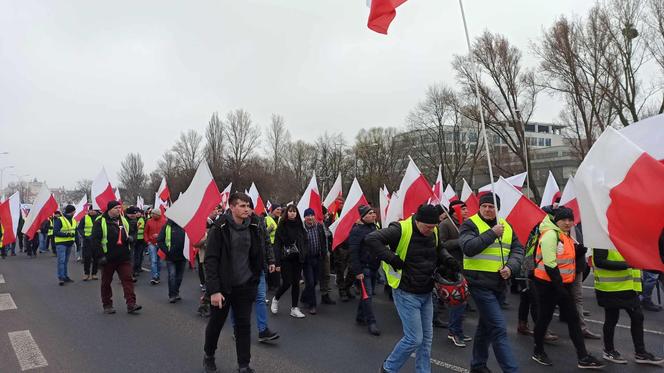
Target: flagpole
(479,108)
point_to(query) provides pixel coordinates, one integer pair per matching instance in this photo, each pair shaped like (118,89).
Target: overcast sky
(82,83)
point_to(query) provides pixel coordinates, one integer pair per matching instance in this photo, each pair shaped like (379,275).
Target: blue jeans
(43,243)
(649,282)
(364,307)
(63,252)
(311,271)
(154,261)
(261,306)
(416,313)
(491,331)
(456,320)
(175,273)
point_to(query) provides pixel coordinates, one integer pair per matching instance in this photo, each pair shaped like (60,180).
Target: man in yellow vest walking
(89,257)
(64,236)
(492,253)
(413,255)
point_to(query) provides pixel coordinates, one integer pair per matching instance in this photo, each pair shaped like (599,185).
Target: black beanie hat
(112,204)
(427,214)
(563,213)
(488,198)
(70,209)
(364,210)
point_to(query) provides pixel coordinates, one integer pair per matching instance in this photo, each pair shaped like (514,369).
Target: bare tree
(300,160)
(132,176)
(330,159)
(379,158)
(242,136)
(188,151)
(83,186)
(214,146)
(655,22)
(277,138)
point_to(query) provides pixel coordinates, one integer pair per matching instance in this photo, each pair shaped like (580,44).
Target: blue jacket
(360,255)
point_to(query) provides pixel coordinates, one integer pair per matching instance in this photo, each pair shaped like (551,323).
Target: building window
(530,128)
(540,141)
(547,142)
(543,129)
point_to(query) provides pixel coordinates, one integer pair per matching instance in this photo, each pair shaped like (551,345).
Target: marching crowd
(436,258)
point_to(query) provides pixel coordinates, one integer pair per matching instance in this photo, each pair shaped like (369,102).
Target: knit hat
(309,212)
(364,210)
(488,198)
(427,214)
(112,204)
(133,210)
(70,209)
(563,213)
(457,202)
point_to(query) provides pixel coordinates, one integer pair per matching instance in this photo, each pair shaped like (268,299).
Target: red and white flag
(332,200)
(42,209)
(102,191)
(620,197)
(470,199)
(551,191)
(81,209)
(10,211)
(517,180)
(191,210)
(522,213)
(311,199)
(438,191)
(382,13)
(259,206)
(450,195)
(414,191)
(163,196)
(349,215)
(225,196)
(268,205)
(384,202)
(568,199)
(648,135)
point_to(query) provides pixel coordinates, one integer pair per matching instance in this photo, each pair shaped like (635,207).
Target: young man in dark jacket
(365,265)
(110,240)
(233,265)
(171,242)
(317,247)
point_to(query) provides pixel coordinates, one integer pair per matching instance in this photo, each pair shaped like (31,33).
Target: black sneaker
(373,329)
(480,370)
(209,366)
(325,299)
(245,370)
(614,357)
(648,358)
(457,340)
(267,335)
(67,279)
(134,308)
(172,300)
(542,358)
(61,282)
(154,281)
(590,362)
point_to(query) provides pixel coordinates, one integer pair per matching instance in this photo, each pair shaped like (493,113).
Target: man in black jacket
(233,265)
(365,265)
(171,242)
(110,240)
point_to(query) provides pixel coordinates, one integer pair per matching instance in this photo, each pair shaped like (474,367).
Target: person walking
(492,253)
(64,233)
(324,280)
(110,240)
(233,264)
(150,234)
(271,222)
(290,250)
(171,242)
(413,255)
(317,245)
(554,274)
(137,230)
(89,255)
(649,279)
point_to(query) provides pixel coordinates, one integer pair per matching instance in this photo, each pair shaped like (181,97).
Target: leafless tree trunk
(300,160)
(242,137)
(380,159)
(132,176)
(214,146)
(277,138)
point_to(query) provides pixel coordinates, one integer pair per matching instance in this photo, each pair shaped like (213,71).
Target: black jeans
(175,274)
(547,298)
(290,277)
(89,257)
(138,254)
(528,303)
(364,307)
(611,316)
(241,299)
(311,272)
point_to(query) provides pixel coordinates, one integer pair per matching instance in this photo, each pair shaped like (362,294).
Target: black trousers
(89,257)
(527,303)
(241,299)
(291,270)
(547,298)
(611,316)
(138,252)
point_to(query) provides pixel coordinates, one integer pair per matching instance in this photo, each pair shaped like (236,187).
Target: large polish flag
(620,197)
(517,180)
(259,206)
(311,199)
(191,210)
(42,209)
(568,199)
(102,191)
(10,210)
(551,191)
(332,200)
(522,213)
(414,190)
(162,197)
(382,13)
(349,215)
(384,202)
(470,199)
(81,208)
(450,196)
(225,196)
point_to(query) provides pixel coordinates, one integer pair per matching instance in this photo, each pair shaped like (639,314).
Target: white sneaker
(295,312)
(274,307)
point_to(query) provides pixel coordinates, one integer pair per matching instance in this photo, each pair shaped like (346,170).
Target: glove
(131,239)
(397,263)
(452,265)
(556,279)
(102,260)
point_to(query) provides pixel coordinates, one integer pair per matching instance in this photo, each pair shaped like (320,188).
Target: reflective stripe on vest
(621,280)
(168,237)
(50,226)
(67,227)
(394,276)
(490,260)
(87,226)
(104,232)
(270,222)
(140,228)
(565,260)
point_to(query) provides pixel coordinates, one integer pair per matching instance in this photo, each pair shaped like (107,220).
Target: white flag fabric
(551,191)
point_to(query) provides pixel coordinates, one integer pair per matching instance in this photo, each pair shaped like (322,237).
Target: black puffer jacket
(115,252)
(360,255)
(424,255)
(176,252)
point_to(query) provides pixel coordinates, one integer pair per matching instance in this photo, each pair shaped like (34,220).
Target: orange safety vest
(565,259)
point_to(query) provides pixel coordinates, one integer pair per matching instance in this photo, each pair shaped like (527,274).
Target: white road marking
(446,365)
(2,279)
(619,325)
(6,302)
(27,352)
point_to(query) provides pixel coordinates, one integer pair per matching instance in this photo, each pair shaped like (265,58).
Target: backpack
(529,259)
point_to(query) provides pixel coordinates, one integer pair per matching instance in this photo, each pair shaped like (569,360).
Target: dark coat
(360,255)
(176,252)
(115,252)
(613,299)
(282,239)
(449,237)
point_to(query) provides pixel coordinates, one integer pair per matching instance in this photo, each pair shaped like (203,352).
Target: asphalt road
(71,334)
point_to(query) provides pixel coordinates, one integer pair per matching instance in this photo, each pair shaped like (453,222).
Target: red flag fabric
(259,207)
(522,213)
(382,13)
(311,199)
(43,208)
(568,199)
(349,215)
(10,211)
(470,199)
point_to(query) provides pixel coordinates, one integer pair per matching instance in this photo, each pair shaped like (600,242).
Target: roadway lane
(74,336)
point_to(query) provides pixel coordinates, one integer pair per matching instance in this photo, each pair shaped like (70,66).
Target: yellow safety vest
(394,276)
(270,222)
(104,232)
(87,226)
(140,228)
(168,235)
(67,227)
(490,259)
(50,226)
(622,280)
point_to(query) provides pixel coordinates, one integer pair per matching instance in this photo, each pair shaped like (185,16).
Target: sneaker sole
(614,361)
(541,362)
(591,367)
(263,340)
(455,342)
(648,362)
